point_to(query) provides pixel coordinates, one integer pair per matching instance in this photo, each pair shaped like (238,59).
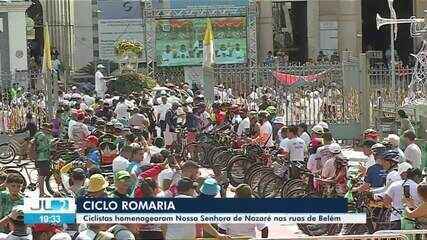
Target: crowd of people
(126,148)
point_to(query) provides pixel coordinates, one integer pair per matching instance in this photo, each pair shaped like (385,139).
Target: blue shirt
(95,156)
(375,176)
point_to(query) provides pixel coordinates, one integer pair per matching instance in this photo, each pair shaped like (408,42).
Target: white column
(313,28)
(265,28)
(17,40)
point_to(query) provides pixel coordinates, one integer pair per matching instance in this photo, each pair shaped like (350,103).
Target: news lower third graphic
(49,210)
(179,211)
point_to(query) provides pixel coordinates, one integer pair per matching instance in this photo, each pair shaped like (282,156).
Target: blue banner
(217,205)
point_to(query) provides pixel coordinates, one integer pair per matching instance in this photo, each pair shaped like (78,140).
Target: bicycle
(12,149)
(53,182)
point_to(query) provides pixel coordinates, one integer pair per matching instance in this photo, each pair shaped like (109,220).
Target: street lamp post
(392,59)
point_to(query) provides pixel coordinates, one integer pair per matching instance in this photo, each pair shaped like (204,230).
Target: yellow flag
(208,45)
(47,60)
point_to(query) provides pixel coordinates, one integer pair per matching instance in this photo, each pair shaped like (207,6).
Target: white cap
(61,236)
(335,148)
(317,129)
(166,174)
(323,125)
(100,66)
(121,233)
(394,139)
(403,167)
(280,120)
(120,163)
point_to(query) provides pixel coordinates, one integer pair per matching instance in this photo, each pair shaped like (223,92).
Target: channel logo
(49,205)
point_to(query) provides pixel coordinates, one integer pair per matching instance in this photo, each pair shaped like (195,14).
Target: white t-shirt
(86,235)
(100,84)
(392,177)
(162,109)
(120,163)
(180,231)
(304,136)
(413,155)
(295,147)
(244,125)
(396,193)
(241,229)
(267,129)
(122,111)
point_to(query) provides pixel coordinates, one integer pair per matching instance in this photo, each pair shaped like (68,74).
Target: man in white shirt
(161,111)
(265,138)
(100,83)
(396,192)
(121,162)
(293,146)
(302,132)
(389,161)
(244,125)
(412,151)
(121,110)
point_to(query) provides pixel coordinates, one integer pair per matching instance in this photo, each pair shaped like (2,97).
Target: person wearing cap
(209,188)
(329,169)
(243,191)
(412,151)
(19,229)
(324,125)
(395,193)
(394,142)
(122,181)
(390,162)
(61,236)
(373,175)
(317,131)
(97,186)
(293,146)
(164,180)
(100,81)
(171,120)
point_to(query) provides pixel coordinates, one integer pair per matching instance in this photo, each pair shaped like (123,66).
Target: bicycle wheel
(222,159)
(290,185)
(213,154)
(254,172)
(237,168)
(195,152)
(272,187)
(268,178)
(24,185)
(256,179)
(7,153)
(55,186)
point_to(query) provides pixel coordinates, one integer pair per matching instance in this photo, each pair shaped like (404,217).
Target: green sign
(179,42)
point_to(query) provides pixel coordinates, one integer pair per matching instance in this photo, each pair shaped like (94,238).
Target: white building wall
(83,33)
(17,41)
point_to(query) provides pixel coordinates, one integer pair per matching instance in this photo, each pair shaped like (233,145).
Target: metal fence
(410,234)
